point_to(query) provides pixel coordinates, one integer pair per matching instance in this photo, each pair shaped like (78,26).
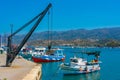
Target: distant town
(77,43)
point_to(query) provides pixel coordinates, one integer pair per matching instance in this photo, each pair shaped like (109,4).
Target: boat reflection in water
(90,76)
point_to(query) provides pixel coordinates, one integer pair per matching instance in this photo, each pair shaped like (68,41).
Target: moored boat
(55,55)
(80,65)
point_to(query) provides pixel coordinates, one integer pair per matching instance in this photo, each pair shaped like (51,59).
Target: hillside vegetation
(79,37)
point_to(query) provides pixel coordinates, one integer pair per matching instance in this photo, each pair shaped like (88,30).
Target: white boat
(80,65)
(39,51)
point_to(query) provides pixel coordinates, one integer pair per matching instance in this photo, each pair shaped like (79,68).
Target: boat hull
(78,69)
(68,72)
(48,59)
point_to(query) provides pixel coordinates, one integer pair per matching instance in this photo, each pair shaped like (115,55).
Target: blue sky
(67,14)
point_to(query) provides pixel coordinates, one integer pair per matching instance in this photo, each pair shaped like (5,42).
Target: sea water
(110,66)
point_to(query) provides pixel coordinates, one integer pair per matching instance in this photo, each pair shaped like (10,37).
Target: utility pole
(0,40)
(11,26)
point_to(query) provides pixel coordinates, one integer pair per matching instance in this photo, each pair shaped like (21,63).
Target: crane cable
(50,24)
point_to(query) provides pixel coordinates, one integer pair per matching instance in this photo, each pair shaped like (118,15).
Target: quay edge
(20,69)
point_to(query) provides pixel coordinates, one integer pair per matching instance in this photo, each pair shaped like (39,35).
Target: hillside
(78,37)
(103,33)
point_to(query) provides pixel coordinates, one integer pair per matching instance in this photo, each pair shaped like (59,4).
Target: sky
(66,14)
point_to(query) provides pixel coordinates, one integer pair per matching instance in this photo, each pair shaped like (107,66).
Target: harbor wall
(21,69)
(34,74)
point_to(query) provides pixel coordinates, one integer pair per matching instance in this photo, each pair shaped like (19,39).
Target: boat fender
(81,68)
(93,68)
(98,68)
(86,69)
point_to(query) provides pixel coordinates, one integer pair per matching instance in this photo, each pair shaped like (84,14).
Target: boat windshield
(74,60)
(59,52)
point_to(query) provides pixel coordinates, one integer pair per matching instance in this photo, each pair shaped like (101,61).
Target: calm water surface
(110,67)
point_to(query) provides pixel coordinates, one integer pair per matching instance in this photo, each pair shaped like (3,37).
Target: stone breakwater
(20,69)
(34,74)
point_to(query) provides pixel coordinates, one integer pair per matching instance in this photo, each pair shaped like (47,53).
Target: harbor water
(110,67)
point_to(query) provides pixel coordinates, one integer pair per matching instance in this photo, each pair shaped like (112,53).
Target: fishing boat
(53,55)
(79,65)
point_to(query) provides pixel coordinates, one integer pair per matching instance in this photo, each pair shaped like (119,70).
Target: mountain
(102,33)
(94,34)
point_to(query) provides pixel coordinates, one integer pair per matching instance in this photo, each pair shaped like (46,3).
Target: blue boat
(56,55)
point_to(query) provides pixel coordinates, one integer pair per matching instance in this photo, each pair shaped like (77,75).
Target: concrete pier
(20,69)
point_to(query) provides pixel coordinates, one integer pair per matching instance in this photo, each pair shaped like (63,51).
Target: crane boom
(11,54)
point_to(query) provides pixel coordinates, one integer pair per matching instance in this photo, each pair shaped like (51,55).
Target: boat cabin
(39,51)
(78,61)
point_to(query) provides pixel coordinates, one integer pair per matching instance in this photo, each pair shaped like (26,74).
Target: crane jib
(11,54)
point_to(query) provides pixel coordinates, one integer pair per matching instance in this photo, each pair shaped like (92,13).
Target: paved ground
(19,69)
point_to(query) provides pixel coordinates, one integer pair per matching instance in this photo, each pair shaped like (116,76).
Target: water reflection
(50,71)
(90,76)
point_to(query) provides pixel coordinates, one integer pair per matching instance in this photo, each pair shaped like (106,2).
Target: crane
(12,53)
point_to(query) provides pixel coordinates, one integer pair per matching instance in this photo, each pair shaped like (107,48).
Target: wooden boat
(49,56)
(80,65)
